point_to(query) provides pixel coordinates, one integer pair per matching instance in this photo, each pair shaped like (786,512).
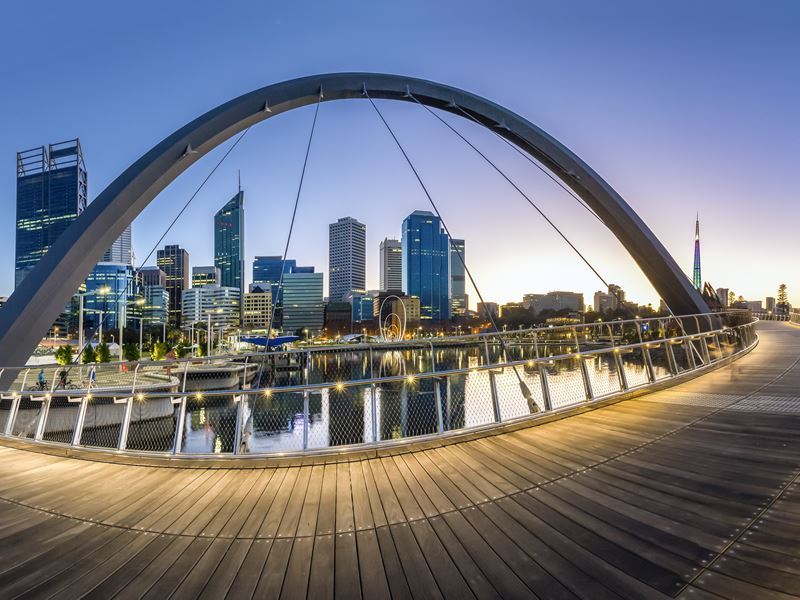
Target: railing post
(648,360)
(306,417)
(79,421)
(673,364)
(486,351)
(623,378)
(495,398)
(12,413)
(178,443)
(548,402)
(437,395)
(237,432)
(374,402)
(122,443)
(587,384)
(704,346)
(42,418)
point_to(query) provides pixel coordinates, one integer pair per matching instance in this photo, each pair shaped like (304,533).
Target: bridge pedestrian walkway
(692,492)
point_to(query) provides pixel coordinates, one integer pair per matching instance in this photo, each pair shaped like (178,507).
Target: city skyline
(629,146)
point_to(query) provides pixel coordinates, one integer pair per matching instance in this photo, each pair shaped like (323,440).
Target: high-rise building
(155,310)
(174,261)
(150,276)
(229,242)
(426,264)
(722,296)
(267,271)
(110,292)
(207,275)
(221,303)
(558,300)
(347,258)
(770,304)
(697,278)
(52,190)
(603,302)
(492,308)
(303,307)
(121,250)
(458,291)
(257,308)
(391,265)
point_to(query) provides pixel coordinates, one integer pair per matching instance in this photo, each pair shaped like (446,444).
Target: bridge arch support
(39,299)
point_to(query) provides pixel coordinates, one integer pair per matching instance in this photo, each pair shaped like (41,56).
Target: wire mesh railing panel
(153,423)
(511,399)
(59,425)
(603,374)
(406,409)
(635,368)
(102,423)
(565,381)
(660,361)
(274,422)
(714,348)
(680,353)
(6,404)
(338,365)
(27,417)
(466,400)
(344,417)
(209,425)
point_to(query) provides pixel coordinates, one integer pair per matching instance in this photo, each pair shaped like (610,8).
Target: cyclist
(62,378)
(40,380)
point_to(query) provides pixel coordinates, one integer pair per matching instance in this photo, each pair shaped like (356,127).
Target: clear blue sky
(681,106)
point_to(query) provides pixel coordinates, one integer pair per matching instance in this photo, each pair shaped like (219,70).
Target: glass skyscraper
(174,261)
(110,293)
(458,293)
(303,307)
(229,241)
(267,271)
(426,264)
(51,193)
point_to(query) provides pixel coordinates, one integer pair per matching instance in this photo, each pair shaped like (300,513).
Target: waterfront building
(391,265)
(174,261)
(229,242)
(155,309)
(347,258)
(362,307)
(303,307)
(267,271)
(458,293)
(603,302)
(206,275)
(426,264)
(110,294)
(555,301)
(152,276)
(222,303)
(338,319)
(257,308)
(52,190)
(488,308)
(121,251)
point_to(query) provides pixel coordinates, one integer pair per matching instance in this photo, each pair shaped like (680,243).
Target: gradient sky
(681,106)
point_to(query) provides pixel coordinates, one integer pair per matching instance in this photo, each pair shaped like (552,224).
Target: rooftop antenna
(240,180)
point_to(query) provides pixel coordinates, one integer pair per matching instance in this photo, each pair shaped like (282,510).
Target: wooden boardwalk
(691,493)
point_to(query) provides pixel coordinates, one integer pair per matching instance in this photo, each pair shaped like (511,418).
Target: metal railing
(362,395)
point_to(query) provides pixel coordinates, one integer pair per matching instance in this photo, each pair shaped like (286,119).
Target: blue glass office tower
(267,271)
(51,193)
(426,262)
(110,293)
(229,242)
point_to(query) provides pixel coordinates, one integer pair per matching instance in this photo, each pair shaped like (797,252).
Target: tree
(202,349)
(88,355)
(63,354)
(181,351)
(158,351)
(731,298)
(131,352)
(783,297)
(103,353)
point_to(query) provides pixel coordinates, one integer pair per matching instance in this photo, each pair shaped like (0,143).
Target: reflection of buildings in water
(407,409)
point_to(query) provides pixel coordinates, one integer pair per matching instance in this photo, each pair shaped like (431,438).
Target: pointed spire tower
(697,276)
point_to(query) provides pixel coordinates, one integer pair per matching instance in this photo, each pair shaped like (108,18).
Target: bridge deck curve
(691,492)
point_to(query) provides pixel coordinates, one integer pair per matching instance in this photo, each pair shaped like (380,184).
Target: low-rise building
(220,303)
(257,308)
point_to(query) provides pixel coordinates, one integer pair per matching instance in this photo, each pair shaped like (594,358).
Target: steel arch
(37,302)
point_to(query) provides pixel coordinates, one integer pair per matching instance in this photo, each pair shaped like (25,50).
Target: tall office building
(221,303)
(151,276)
(206,276)
(174,261)
(155,310)
(52,190)
(347,258)
(229,242)
(121,250)
(267,271)
(458,290)
(110,292)
(697,278)
(426,264)
(391,265)
(303,307)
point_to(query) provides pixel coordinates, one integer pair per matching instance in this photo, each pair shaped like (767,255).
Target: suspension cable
(161,239)
(523,386)
(291,224)
(524,195)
